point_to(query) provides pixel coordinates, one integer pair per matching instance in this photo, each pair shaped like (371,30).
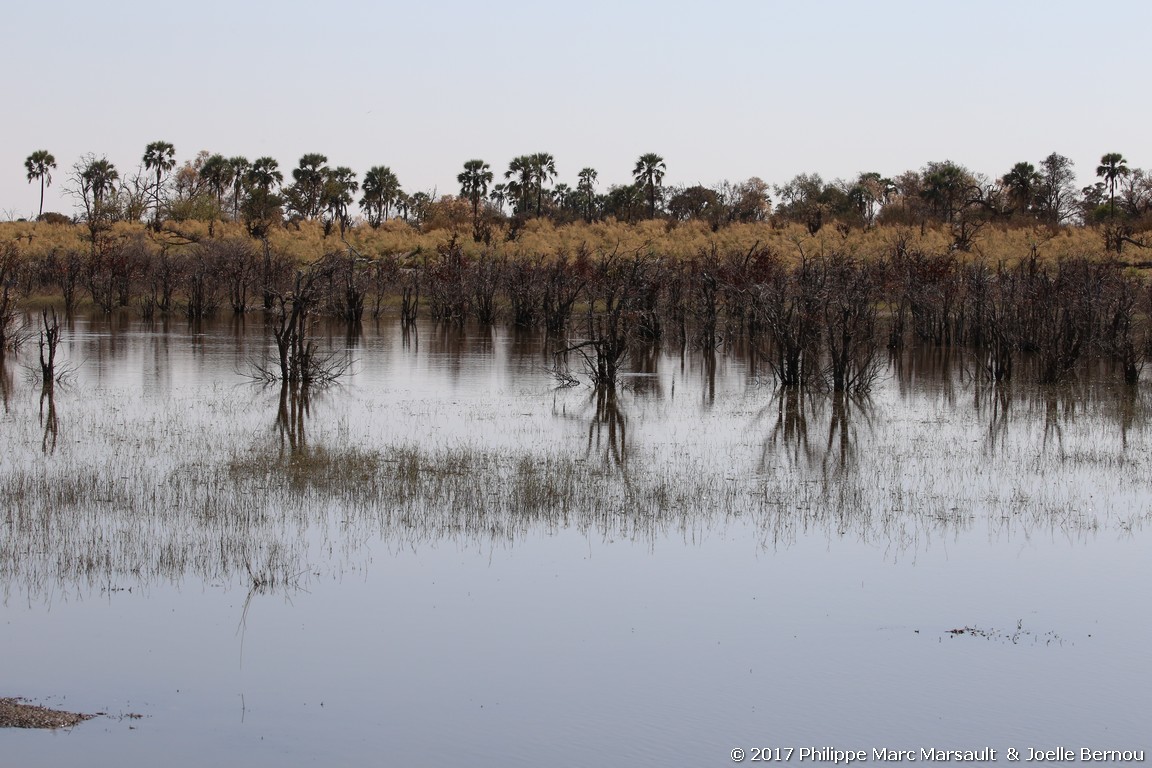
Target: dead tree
(298,363)
(849,314)
(49,338)
(616,291)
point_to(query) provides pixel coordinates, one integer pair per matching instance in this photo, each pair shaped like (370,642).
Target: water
(449,558)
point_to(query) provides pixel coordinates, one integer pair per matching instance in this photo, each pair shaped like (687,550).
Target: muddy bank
(14,713)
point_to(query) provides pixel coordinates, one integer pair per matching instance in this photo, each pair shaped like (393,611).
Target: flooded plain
(448,557)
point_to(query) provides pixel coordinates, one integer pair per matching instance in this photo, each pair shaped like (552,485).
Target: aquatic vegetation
(273,487)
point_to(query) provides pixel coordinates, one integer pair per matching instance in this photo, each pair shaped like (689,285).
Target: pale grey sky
(725,90)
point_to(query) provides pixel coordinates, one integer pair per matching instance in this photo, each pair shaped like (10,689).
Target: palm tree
(543,167)
(380,190)
(159,156)
(40,165)
(263,174)
(946,185)
(499,196)
(97,179)
(1022,183)
(240,167)
(217,173)
(562,196)
(519,186)
(649,172)
(1112,167)
(309,177)
(340,186)
(587,188)
(474,181)
(403,203)
(262,209)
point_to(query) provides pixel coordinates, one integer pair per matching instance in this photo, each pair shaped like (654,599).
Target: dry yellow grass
(306,241)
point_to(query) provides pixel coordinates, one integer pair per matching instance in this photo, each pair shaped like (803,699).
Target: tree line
(821,314)
(212,187)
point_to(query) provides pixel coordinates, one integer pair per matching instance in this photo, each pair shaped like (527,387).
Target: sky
(725,90)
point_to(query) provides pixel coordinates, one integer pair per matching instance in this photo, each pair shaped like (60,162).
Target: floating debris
(1014,637)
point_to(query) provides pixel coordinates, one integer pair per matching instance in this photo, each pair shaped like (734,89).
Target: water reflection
(943,369)
(291,416)
(708,396)
(788,411)
(847,413)
(608,429)
(813,430)
(528,351)
(5,382)
(48,419)
(200,485)
(993,404)
(644,378)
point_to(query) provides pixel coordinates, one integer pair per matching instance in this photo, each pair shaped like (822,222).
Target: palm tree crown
(217,173)
(474,181)
(263,174)
(381,189)
(1022,183)
(543,171)
(586,187)
(240,167)
(159,156)
(309,176)
(649,172)
(1112,167)
(97,179)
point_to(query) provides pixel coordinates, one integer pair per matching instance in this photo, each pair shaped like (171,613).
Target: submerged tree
(298,362)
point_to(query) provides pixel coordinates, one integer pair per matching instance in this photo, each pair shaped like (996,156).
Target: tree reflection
(993,401)
(290,418)
(608,429)
(790,409)
(840,450)
(48,418)
(797,415)
(709,394)
(5,384)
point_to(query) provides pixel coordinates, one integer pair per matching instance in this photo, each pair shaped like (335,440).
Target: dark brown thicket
(619,291)
(564,280)
(524,287)
(10,265)
(445,283)
(820,318)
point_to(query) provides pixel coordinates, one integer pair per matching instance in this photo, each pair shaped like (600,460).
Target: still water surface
(447,558)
